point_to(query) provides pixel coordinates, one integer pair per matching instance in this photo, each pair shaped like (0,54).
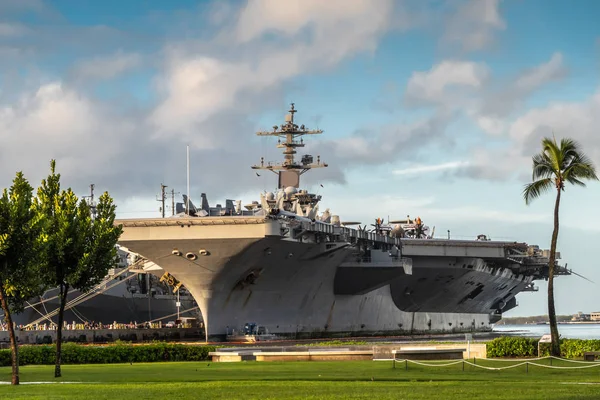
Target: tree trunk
(64,291)
(555,346)
(13,340)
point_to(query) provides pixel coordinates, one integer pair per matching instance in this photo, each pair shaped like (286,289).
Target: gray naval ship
(299,273)
(127,294)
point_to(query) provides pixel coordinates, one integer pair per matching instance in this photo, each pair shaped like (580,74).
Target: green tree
(555,166)
(81,248)
(21,244)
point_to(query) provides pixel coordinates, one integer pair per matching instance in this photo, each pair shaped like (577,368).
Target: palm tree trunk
(64,291)
(555,346)
(13,340)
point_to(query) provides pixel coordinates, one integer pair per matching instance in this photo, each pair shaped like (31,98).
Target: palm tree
(552,168)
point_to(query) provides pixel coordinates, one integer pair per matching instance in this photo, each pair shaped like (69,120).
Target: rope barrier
(536,359)
(520,363)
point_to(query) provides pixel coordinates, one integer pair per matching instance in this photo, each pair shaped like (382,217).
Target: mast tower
(289,170)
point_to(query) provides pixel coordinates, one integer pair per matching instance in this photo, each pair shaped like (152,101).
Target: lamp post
(178,304)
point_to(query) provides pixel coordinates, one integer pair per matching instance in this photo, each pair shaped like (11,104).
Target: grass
(304,380)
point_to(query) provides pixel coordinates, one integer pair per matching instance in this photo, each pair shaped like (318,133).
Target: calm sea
(568,331)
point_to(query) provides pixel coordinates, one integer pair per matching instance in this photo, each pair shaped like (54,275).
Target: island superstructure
(279,262)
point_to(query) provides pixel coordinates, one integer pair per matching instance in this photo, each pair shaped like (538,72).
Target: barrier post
(468,338)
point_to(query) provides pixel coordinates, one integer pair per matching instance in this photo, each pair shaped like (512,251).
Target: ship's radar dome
(270,196)
(397,231)
(290,190)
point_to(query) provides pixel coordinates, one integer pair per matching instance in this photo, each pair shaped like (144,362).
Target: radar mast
(289,170)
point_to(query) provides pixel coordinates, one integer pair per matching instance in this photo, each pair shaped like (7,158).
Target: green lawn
(304,380)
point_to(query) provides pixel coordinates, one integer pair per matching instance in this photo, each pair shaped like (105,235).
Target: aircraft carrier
(299,273)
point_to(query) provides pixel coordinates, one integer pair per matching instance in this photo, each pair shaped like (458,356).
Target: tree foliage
(556,165)
(22,243)
(81,249)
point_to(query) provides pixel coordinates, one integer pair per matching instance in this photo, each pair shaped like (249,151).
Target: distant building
(583,317)
(595,316)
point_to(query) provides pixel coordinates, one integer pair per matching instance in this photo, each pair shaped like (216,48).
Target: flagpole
(187,206)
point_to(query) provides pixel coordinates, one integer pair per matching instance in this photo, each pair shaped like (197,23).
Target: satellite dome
(397,231)
(270,196)
(290,190)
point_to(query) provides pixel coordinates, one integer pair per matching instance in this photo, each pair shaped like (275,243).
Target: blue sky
(430,108)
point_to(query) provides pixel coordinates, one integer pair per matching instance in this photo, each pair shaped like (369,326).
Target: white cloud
(364,208)
(435,85)
(107,67)
(508,95)
(474,24)
(576,120)
(326,17)
(11,30)
(55,122)
(12,5)
(320,35)
(491,125)
(542,74)
(497,164)
(384,144)
(431,209)
(420,169)
(468,88)
(207,90)
(477,214)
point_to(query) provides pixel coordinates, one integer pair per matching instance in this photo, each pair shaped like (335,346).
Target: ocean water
(567,331)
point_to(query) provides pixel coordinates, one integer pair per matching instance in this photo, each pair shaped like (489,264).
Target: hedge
(73,353)
(528,347)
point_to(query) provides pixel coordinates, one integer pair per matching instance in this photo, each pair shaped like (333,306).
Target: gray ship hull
(107,309)
(301,290)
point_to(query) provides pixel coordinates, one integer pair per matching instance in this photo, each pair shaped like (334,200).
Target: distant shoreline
(541,320)
(547,323)
(569,323)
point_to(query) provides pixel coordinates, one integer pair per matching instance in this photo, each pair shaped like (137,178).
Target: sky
(429,107)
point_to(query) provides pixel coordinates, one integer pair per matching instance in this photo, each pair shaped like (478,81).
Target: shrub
(120,352)
(572,348)
(527,347)
(512,347)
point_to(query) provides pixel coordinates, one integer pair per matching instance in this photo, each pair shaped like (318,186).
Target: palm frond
(535,189)
(580,167)
(570,150)
(574,181)
(552,151)
(556,165)
(542,167)
(569,146)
